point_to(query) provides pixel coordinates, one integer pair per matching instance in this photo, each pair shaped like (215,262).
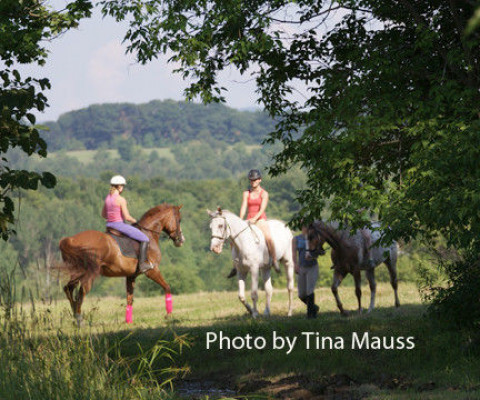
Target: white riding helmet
(118,180)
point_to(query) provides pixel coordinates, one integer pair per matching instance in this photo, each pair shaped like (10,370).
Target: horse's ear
(180,206)
(210,213)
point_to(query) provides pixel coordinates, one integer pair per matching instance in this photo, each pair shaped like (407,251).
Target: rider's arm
(104,212)
(243,208)
(263,207)
(126,215)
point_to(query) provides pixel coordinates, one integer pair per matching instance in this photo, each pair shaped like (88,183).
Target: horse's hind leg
(391,264)
(68,289)
(337,279)
(129,309)
(78,305)
(290,282)
(267,283)
(370,273)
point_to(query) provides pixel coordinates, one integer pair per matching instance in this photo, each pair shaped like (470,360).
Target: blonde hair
(113,188)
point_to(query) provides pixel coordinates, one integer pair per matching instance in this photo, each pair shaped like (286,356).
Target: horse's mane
(229,213)
(155,210)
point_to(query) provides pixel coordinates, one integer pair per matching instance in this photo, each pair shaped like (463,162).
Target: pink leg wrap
(128,315)
(168,303)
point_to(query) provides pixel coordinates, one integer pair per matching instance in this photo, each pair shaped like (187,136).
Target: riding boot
(143,264)
(273,258)
(312,308)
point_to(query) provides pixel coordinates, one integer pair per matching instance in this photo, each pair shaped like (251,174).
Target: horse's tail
(80,263)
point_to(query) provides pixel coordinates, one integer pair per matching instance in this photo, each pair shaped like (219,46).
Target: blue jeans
(129,230)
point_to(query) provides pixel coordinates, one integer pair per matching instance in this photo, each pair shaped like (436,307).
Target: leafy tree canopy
(25,27)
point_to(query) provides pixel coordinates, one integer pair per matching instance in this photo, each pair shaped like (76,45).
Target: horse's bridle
(226,229)
(316,252)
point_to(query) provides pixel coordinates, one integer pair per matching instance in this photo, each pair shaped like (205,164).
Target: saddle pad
(128,247)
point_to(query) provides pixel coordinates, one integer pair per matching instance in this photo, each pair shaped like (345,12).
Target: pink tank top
(114,211)
(254,206)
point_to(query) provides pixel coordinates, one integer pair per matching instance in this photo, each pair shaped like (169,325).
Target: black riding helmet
(254,174)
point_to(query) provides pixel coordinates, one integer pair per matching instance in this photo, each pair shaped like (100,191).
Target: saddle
(128,246)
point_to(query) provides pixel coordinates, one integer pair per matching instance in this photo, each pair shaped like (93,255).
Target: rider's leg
(143,264)
(263,225)
(138,235)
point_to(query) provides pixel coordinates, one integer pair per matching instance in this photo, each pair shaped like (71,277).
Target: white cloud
(108,70)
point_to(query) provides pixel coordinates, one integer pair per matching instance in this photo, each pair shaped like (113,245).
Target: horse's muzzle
(216,248)
(178,242)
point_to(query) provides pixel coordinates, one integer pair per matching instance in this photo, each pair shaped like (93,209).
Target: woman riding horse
(115,211)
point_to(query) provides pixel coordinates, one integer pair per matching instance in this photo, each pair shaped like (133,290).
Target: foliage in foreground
(57,365)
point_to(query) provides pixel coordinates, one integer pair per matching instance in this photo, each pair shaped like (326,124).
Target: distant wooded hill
(154,124)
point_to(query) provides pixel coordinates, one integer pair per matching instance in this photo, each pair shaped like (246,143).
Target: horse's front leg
(129,309)
(370,273)
(358,289)
(267,283)
(155,275)
(337,279)
(254,291)
(241,290)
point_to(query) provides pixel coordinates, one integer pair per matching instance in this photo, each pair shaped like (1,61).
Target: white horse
(250,253)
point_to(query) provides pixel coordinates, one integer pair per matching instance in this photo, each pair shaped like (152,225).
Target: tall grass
(40,360)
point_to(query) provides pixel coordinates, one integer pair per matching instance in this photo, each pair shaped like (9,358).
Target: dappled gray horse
(250,254)
(350,255)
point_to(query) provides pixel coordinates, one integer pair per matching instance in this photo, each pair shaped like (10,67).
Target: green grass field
(87,156)
(443,364)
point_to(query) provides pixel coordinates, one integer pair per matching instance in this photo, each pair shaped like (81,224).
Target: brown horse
(91,253)
(350,255)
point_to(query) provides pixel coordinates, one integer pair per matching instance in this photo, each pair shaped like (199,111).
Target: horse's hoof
(290,313)
(266,313)
(344,313)
(79,320)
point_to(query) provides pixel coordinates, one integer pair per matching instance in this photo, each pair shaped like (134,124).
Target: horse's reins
(177,233)
(318,233)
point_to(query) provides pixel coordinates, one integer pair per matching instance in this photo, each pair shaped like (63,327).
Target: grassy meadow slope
(442,365)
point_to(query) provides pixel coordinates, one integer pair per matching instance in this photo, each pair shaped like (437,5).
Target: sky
(88,66)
